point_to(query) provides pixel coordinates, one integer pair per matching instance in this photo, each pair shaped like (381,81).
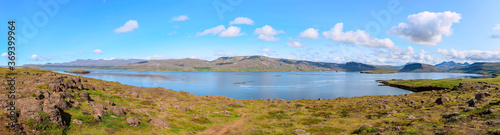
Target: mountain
(446,66)
(354,66)
(89,63)
(418,67)
(238,63)
(480,67)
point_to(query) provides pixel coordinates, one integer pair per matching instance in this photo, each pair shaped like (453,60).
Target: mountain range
(263,63)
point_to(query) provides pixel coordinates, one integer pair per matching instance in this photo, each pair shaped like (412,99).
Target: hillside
(480,68)
(53,103)
(418,67)
(446,66)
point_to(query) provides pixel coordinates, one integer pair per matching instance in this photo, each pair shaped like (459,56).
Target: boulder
(488,111)
(84,95)
(410,117)
(54,87)
(299,131)
(159,122)
(76,121)
(132,121)
(111,103)
(472,103)
(54,113)
(481,96)
(118,110)
(136,95)
(39,95)
(29,108)
(385,107)
(442,100)
(58,100)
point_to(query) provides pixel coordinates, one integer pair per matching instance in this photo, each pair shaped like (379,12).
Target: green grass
(379,71)
(441,83)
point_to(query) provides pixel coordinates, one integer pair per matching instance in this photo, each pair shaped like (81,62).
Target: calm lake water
(285,85)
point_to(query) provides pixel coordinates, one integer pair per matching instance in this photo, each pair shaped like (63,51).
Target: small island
(78,71)
(379,71)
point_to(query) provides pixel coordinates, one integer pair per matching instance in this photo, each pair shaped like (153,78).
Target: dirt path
(226,129)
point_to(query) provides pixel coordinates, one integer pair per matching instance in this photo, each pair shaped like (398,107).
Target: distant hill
(446,66)
(354,66)
(89,63)
(480,68)
(418,67)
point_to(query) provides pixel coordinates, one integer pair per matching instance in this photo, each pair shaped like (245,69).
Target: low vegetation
(77,105)
(379,71)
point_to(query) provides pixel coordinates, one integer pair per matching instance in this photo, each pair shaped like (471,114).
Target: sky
(382,32)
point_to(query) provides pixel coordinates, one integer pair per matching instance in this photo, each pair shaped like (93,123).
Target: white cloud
(497,27)
(129,26)
(214,31)
(180,18)
(294,44)
(267,33)
(98,51)
(241,20)
(474,55)
(5,54)
(426,28)
(263,50)
(39,58)
(358,37)
(232,31)
(172,33)
(310,33)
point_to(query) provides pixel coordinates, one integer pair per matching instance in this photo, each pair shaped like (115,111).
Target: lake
(284,85)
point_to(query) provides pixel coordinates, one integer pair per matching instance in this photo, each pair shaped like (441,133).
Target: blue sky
(390,32)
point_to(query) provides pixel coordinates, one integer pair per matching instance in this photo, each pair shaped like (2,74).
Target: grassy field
(442,83)
(186,113)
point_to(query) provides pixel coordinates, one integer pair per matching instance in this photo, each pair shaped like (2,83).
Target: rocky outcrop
(442,100)
(30,108)
(84,95)
(54,113)
(117,110)
(159,122)
(132,121)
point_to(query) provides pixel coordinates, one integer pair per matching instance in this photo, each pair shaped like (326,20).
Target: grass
(441,83)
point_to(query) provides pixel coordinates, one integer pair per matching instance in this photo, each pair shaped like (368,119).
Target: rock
(136,95)
(54,113)
(466,109)
(76,121)
(420,107)
(118,110)
(132,121)
(58,100)
(299,131)
(385,107)
(392,112)
(442,100)
(278,100)
(159,122)
(410,117)
(223,107)
(365,126)
(481,96)
(449,115)
(84,95)
(29,108)
(472,103)
(39,95)
(488,111)
(99,109)
(111,103)
(96,117)
(54,87)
